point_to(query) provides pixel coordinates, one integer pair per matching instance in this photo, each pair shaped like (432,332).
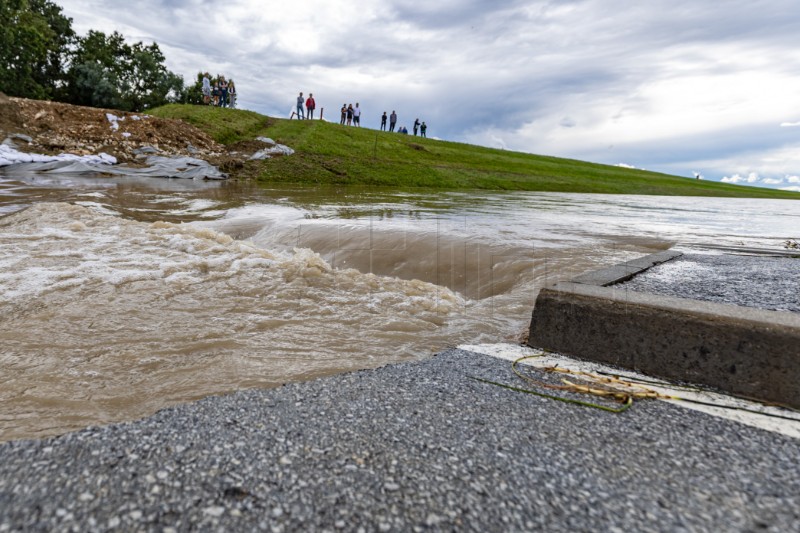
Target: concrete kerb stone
(625,271)
(741,350)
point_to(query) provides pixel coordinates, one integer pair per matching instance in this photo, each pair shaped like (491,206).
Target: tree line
(41,57)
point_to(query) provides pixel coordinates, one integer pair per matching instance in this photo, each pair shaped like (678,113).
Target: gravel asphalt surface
(753,281)
(408,447)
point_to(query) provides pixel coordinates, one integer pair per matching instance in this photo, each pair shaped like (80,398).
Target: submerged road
(407,447)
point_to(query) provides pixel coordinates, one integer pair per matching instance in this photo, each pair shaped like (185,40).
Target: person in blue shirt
(300,102)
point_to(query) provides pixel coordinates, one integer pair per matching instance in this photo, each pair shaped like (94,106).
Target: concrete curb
(741,350)
(625,271)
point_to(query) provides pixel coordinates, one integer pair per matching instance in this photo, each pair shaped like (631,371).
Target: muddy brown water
(120,296)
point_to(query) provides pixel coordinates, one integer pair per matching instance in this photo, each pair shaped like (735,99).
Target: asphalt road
(409,447)
(763,281)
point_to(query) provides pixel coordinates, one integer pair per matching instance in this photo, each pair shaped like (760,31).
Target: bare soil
(62,128)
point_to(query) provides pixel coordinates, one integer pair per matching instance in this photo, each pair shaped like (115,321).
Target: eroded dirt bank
(57,128)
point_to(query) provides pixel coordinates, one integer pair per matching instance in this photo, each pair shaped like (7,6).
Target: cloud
(733,179)
(795,188)
(789,124)
(568,122)
(736,178)
(753,178)
(499,143)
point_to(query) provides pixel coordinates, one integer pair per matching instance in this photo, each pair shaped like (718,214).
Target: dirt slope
(62,128)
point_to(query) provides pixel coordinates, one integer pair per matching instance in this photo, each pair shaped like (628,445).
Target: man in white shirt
(357,116)
(206,89)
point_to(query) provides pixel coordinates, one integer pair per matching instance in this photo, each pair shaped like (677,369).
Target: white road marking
(759,419)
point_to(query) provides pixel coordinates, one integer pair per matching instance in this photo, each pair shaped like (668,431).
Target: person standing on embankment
(300,102)
(310,106)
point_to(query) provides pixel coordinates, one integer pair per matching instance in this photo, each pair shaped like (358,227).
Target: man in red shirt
(310,105)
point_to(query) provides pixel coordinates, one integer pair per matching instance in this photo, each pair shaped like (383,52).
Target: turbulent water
(121,296)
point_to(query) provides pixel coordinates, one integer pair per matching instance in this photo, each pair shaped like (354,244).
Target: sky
(682,87)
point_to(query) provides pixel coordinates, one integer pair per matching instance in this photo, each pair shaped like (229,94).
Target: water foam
(148,314)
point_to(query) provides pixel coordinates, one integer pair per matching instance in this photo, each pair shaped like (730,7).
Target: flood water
(121,296)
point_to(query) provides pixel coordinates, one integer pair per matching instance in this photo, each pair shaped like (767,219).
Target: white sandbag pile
(275,149)
(9,155)
(14,162)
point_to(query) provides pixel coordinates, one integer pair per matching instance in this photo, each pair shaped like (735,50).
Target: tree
(52,73)
(40,57)
(108,72)
(35,40)
(194,93)
(92,85)
(148,82)
(94,78)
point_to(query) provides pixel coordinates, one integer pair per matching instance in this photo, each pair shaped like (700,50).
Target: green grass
(225,126)
(328,153)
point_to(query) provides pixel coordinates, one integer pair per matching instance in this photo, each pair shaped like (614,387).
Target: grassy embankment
(327,153)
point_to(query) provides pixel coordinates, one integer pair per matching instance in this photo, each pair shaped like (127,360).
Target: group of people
(351,116)
(310,106)
(222,94)
(420,127)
